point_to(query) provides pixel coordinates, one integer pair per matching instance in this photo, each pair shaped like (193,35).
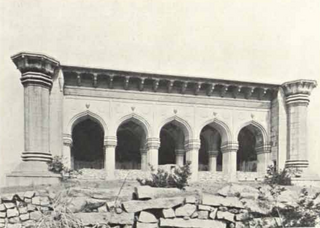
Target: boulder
(146,225)
(202,207)
(3,214)
(136,205)
(91,218)
(24,217)
(257,206)
(23,210)
(122,219)
(225,215)
(12,212)
(192,223)
(29,194)
(191,199)
(92,204)
(78,204)
(213,214)
(194,215)
(35,215)
(185,210)
(9,205)
(235,190)
(147,217)
(147,192)
(168,213)
(217,201)
(102,209)
(2,207)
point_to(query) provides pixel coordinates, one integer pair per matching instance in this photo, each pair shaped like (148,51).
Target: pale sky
(252,40)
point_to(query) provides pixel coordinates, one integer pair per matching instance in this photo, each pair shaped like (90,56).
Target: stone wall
(143,207)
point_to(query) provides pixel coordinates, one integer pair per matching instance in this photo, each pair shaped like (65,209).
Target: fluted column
(144,159)
(153,145)
(212,163)
(66,156)
(229,160)
(192,156)
(263,158)
(110,144)
(179,156)
(297,100)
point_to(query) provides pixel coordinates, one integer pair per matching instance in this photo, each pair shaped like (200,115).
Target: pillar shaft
(229,160)
(66,156)
(297,99)
(192,156)
(144,159)
(180,157)
(212,163)
(153,145)
(110,144)
(263,159)
(37,72)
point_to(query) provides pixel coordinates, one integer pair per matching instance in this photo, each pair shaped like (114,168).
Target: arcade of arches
(111,119)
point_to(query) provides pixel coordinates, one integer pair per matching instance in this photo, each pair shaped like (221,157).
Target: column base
(299,164)
(32,173)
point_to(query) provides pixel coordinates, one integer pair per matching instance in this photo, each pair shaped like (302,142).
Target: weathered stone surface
(123,218)
(202,207)
(136,205)
(7,197)
(23,210)
(186,210)
(191,199)
(12,212)
(147,217)
(24,217)
(257,206)
(36,200)
(213,214)
(147,192)
(225,215)
(192,223)
(29,224)
(194,215)
(77,204)
(2,207)
(146,225)
(14,220)
(288,197)
(235,190)
(31,207)
(92,218)
(44,201)
(240,225)
(94,203)
(242,216)
(214,200)
(9,205)
(203,214)
(3,214)
(29,194)
(35,215)
(168,213)
(103,209)
(13,226)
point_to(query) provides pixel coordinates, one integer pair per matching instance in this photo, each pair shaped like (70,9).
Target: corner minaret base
(37,73)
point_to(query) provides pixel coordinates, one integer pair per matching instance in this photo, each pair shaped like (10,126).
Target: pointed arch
(185,126)
(221,127)
(262,137)
(86,115)
(138,120)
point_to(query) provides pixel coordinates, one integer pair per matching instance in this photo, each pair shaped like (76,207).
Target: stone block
(242,216)
(257,206)
(28,200)
(136,205)
(202,207)
(225,215)
(102,209)
(94,203)
(213,214)
(12,212)
(147,217)
(122,219)
(194,215)
(146,225)
(24,217)
(14,226)
(35,215)
(31,207)
(191,199)
(203,214)
(3,214)
(147,192)
(29,224)
(217,201)
(9,205)
(44,201)
(168,213)
(29,194)
(14,220)
(36,200)
(23,210)
(2,207)
(186,210)
(192,223)
(92,218)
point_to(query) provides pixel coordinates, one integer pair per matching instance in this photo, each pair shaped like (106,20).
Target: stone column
(229,160)
(179,156)
(263,158)
(37,73)
(66,156)
(153,145)
(212,163)
(144,159)
(192,156)
(110,144)
(297,100)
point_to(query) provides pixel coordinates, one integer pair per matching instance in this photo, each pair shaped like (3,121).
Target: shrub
(56,165)
(283,177)
(163,179)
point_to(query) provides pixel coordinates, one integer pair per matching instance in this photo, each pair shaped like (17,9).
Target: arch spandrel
(185,126)
(221,127)
(83,116)
(136,119)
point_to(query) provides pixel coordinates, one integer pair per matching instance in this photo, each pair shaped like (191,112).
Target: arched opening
(172,144)
(249,138)
(210,156)
(87,150)
(131,138)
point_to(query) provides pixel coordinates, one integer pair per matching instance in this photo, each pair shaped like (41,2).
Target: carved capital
(110,141)
(263,149)
(153,143)
(197,88)
(155,85)
(194,144)
(210,89)
(229,147)
(36,68)
(179,152)
(67,140)
(298,91)
(95,80)
(184,87)
(170,85)
(223,90)
(141,85)
(213,153)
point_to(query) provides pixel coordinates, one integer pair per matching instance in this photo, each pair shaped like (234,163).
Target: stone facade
(191,110)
